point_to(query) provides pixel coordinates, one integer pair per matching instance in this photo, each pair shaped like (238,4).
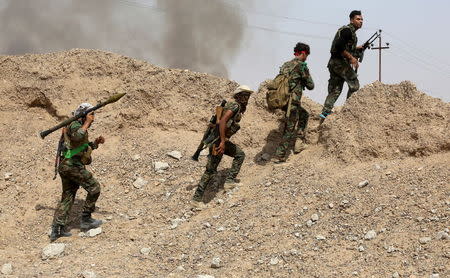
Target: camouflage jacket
(75,136)
(299,77)
(233,123)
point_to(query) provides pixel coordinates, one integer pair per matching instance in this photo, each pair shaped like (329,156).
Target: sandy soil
(305,218)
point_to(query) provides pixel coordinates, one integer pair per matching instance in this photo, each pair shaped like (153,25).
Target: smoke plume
(201,35)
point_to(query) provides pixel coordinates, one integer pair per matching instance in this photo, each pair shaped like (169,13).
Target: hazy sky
(418,49)
(248,40)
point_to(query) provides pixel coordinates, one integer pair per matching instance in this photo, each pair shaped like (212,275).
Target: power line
(288,33)
(419,65)
(411,46)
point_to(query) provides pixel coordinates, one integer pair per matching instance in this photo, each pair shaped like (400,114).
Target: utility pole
(379,53)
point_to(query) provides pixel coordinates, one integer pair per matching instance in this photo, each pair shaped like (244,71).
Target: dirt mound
(308,217)
(388,121)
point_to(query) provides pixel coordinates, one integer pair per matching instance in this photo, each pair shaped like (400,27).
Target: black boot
(54,235)
(58,231)
(63,232)
(87,222)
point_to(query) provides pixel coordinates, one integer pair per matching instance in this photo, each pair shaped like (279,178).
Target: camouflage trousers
(231,150)
(340,72)
(298,117)
(72,177)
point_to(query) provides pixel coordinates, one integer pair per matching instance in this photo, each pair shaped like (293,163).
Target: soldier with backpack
(226,125)
(297,77)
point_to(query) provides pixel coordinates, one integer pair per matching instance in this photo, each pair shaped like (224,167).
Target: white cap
(82,108)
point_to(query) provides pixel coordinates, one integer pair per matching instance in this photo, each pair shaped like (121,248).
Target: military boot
(230,184)
(198,205)
(58,231)
(300,146)
(87,222)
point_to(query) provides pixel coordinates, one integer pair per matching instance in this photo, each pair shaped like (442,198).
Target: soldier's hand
(221,148)
(354,63)
(100,140)
(90,117)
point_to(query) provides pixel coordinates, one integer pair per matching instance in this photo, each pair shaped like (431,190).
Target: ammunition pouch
(86,157)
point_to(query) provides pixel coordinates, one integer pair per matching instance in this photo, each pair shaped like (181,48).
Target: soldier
(343,63)
(299,78)
(228,126)
(74,174)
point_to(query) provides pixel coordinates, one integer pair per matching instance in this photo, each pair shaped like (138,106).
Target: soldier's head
(356,19)
(242,95)
(81,109)
(301,51)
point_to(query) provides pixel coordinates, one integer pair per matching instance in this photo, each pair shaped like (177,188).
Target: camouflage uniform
(299,78)
(341,70)
(231,150)
(74,174)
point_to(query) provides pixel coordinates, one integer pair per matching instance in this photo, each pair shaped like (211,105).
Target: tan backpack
(278,92)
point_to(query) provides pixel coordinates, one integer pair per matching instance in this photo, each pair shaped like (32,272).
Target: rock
(139,183)
(395,275)
(94,232)
(7,269)
(442,235)
(8,176)
(320,237)
(315,217)
(370,235)
(330,205)
(220,229)
(205,276)
(265,156)
(161,166)
(205,152)
(135,157)
(363,184)
(175,154)
(434,275)
(274,261)
(361,248)
(216,263)
(175,222)
(391,249)
(309,223)
(424,240)
(53,250)
(145,251)
(87,274)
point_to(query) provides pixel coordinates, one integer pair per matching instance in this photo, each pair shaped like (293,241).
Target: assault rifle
(59,152)
(211,133)
(368,43)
